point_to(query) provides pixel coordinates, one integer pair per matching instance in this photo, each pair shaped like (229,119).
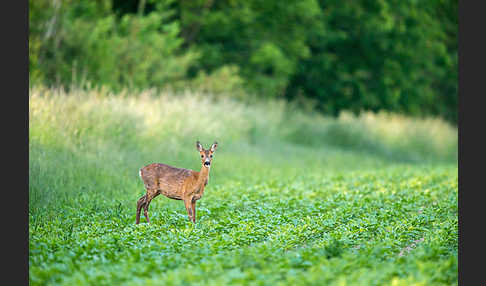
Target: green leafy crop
(277,210)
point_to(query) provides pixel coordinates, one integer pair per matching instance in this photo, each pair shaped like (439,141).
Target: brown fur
(175,183)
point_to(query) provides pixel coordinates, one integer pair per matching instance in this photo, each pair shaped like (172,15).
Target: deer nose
(207,163)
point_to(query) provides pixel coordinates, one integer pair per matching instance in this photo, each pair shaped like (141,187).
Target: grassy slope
(292,199)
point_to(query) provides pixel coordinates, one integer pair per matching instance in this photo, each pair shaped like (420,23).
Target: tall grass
(85,139)
(297,191)
(391,135)
(149,121)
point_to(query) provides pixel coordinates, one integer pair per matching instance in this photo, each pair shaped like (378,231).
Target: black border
(15,121)
(472,48)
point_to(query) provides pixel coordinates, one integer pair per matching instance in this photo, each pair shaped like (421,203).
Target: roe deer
(176,183)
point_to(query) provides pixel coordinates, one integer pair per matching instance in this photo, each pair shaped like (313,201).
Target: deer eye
(211,156)
(202,156)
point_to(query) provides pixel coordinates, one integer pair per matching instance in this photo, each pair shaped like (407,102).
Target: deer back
(167,179)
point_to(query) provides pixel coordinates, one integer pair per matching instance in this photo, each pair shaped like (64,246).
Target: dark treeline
(332,55)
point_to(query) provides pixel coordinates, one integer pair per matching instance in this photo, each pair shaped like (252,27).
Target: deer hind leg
(140,204)
(150,195)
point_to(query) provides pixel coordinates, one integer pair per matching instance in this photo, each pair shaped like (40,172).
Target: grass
(293,198)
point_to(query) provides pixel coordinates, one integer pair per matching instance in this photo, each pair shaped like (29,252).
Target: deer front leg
(193,206)
(187,204)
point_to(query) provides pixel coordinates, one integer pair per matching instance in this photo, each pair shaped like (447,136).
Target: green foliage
(265,39)
(375,55)
(277,211)
(399,56)
(224,81)
(90,45)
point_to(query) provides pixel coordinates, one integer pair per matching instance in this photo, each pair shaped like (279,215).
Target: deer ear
(199,146)
(213,147)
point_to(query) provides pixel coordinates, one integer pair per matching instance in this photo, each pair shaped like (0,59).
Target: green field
(293,198)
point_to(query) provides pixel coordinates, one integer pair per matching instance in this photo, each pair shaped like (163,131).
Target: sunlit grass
(293,198)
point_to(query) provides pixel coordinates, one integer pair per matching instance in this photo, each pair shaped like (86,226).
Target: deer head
(206,155)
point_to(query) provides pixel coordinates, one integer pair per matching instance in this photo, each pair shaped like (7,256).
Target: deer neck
(203,175)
